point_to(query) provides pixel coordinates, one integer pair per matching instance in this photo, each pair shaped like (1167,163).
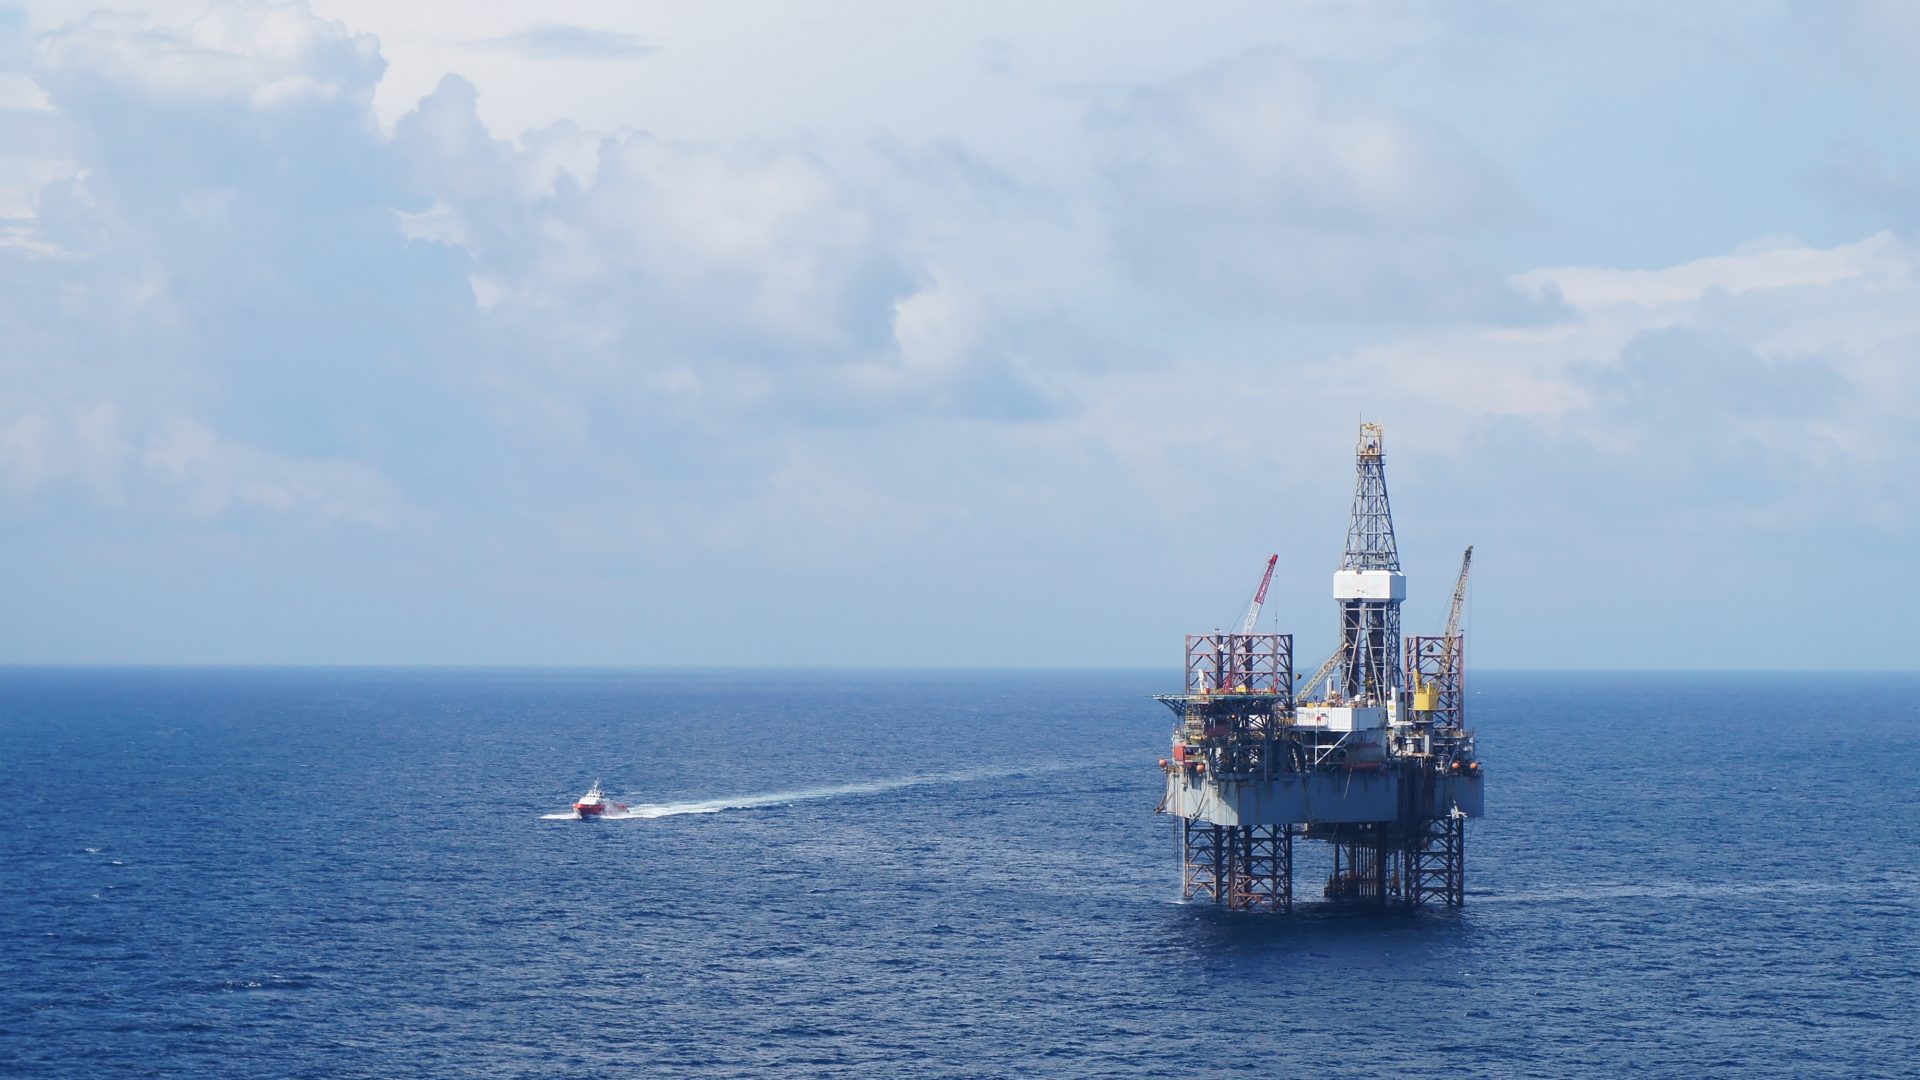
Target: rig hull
(1357,797)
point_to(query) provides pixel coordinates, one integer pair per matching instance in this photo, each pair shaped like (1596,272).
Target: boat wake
(785,798)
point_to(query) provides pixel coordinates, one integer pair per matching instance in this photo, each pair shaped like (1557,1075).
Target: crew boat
(594,803)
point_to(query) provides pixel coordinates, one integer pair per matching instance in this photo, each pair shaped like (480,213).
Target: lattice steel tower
(1369,586)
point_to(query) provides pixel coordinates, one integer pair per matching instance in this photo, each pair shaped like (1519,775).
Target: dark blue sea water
(348,873)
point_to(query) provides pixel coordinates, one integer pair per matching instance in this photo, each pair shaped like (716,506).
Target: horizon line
(221,665)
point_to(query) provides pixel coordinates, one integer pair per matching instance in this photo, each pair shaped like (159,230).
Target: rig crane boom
(1319,676)
(1459,594)
(1259,597)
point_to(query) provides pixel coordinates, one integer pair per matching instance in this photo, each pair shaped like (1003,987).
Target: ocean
(357,873)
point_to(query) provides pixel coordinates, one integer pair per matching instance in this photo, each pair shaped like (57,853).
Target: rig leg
(1265,882)
(1437,864)
(1220,843)
(1457,859)
(1236,867)
(1380,869)
(1203,858)
(1286,868)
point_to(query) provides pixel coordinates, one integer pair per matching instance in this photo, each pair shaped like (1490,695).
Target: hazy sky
(985,333)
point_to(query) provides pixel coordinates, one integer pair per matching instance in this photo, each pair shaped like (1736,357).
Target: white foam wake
(838,791)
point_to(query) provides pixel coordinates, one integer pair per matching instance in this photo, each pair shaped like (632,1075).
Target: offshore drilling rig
(1371,755)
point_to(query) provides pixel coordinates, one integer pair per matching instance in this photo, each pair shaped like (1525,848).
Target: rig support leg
(1286,868)
(1380,868)
(1437,862)
(1263,868)
(1456,860)
(1218,845)
(1202,860)
(1236,867)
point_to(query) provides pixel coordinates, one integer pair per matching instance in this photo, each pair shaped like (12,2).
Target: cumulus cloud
(1768,267)
(229,296)
(956,354)
(1689,421)
(180,468)
(1775,386)
(227,254)
(263,55)
(647,241)
(1253,185)
(210,476)
(754,278)
(82,444)
(220,255)
(1670,373)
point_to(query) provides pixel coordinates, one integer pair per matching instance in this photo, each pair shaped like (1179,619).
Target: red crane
(1259,598)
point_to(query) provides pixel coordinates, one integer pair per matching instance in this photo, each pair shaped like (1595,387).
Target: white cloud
(936,328)
(1252,184)
(82,444)
(179,468)
(267,55)
(189,279)
(654,245)
(18,91)
(1033,363)
(751,280)
(1881,257)
(1780,384)
(209,476)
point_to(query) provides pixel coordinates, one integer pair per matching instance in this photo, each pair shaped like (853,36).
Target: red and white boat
(594,804)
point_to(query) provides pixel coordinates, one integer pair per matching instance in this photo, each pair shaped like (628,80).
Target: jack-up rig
(1371,756)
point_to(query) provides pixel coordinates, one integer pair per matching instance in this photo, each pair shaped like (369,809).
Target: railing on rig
(1259,664)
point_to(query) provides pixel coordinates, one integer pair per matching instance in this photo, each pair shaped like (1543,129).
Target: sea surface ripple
(348,873)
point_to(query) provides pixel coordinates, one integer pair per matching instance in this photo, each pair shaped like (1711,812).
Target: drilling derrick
(1369,585)
(1372,758)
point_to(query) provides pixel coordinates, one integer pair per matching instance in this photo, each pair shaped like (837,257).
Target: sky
(854,333)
